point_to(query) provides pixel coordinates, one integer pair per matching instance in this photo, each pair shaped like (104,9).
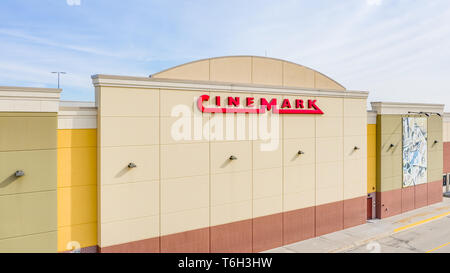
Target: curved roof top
(251,70)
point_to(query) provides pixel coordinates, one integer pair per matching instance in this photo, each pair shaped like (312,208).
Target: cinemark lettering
(297,106)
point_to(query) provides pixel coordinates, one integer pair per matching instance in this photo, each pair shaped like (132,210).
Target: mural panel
(414,151)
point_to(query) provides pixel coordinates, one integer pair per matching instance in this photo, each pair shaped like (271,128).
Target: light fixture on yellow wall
(301,153)
(19,173)
(233,157)
(132,165)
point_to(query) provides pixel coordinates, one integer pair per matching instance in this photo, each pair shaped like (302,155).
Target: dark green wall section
(28,205)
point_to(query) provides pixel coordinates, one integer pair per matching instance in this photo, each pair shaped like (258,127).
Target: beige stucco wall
(251,70)
(191,184)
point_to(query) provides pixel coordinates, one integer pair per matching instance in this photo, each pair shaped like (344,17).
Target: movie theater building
(230,154)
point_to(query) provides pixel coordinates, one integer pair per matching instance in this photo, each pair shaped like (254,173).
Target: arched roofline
(252,56)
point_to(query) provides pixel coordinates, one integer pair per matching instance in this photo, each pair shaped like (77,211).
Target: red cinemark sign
(297,106)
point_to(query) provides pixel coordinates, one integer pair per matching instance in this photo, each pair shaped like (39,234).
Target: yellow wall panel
(77,187)
(69,138)
(77,205)
(77,166)
(78,233)
(371,157)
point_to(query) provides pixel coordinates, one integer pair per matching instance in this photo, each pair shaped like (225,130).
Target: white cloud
(73,2)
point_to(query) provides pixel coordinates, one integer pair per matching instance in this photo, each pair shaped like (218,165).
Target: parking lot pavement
(429,237)
(419,231)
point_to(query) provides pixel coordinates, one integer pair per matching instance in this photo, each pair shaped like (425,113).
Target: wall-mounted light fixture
(233,157)
(391,146)
(428,114)
(132,165)
(301,153)
(418,113)
(356,148)
(436,142)
(19,173)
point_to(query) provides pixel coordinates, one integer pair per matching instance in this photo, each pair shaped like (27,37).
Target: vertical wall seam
(343,163)
(282,180)
(315,174)
(253,199)
(210,178)
(99,179)
(251,69)
(160,167)
(209,69)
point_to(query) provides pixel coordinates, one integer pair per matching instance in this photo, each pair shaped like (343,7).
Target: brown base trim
(421,196)
(435,192)
(446,157)
(355,212)
(195,241)
(299,225)
(329,218)
(391,203)
(232,238)
(408,202)
(267,232)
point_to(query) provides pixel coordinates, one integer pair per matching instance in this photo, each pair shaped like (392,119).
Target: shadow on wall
(7,181)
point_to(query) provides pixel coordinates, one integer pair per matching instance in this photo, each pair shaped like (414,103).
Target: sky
(398,50)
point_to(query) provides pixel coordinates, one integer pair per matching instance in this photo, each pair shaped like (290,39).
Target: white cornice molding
(143,82)
(29,99)
(77,115)
(371,117)
(398,108)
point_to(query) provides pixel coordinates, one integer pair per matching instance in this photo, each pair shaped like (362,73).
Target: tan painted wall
(389,160)
(28,204)
(186,185)
(251,70)
(389,167)
(435,150)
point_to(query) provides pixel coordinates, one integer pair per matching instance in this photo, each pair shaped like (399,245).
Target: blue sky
(399,50)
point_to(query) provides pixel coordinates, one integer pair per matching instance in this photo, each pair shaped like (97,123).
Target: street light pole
(59,72)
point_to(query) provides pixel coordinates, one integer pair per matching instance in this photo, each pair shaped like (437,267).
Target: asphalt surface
(432,237)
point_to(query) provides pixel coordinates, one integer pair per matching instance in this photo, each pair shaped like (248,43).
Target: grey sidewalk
(344,240)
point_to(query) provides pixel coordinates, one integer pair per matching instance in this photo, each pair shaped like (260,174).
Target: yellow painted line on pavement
(421,222)
(407,219)
(439,247)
